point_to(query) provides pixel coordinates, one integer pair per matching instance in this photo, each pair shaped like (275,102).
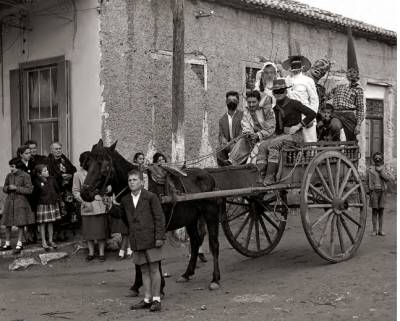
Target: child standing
(377,178)
(141,211)
(17,211)
(48,197)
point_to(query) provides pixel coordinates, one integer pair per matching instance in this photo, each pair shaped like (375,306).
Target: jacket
(223,135)
(54,170)
(267,126)
(46,191)
(87,208)
(17,210)
(146,222)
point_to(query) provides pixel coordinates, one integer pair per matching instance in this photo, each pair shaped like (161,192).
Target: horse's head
(100,172)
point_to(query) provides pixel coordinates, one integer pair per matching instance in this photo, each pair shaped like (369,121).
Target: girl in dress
(17,211)
(47,194)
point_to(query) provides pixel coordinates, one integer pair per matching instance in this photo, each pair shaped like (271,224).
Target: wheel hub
(339,205)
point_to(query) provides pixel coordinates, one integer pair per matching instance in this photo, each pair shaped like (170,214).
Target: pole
(178,73)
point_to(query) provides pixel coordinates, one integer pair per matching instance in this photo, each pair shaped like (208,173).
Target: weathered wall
(53,36)
(228,40)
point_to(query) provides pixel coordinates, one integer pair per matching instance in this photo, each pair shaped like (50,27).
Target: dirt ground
(292,284)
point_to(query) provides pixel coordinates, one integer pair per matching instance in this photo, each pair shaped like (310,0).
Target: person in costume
(302,88)
(348,99)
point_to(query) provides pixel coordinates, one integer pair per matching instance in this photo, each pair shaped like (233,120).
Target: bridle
(107,179)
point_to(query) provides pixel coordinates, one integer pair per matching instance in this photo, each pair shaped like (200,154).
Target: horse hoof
(214,286)
(182,280)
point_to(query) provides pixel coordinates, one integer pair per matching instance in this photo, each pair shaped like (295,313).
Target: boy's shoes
(381,233)
(155,306)
(102,258)
(202,257)
(5,248)
(141,305)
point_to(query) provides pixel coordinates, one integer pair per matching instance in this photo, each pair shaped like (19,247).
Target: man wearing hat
(292,117)
(348,99)
(302,89)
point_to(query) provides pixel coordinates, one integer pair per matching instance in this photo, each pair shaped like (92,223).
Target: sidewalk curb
(35,250)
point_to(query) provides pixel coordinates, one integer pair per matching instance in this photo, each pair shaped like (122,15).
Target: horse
(107,167)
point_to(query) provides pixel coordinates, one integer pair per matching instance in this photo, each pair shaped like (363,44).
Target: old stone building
(225,43)
(76,70)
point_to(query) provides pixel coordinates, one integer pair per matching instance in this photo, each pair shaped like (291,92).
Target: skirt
(377,199)
(47,213)
(95,227)
(154,254)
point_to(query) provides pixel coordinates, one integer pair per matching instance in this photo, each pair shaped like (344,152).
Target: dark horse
(107,166)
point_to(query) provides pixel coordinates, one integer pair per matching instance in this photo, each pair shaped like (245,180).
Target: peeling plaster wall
(52,36)
(228,41)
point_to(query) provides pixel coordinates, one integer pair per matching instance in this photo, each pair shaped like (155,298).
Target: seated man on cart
(289,123)
(258,124)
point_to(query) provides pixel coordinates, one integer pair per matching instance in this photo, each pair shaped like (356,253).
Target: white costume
(303,89)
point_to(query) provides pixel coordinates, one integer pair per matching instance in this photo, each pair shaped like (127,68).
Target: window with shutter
(42,105)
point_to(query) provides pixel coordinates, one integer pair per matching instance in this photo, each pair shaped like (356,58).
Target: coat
(146,222)
(223,135)
(17,211)
(54,170)
(46,191)
(87,208)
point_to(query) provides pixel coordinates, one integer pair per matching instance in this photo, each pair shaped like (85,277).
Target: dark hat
(351,52)
(279,83)
(305,63)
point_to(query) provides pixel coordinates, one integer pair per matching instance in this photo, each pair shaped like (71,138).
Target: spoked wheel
(333,206)
(254,225)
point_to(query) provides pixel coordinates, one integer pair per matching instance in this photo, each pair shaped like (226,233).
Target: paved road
(292,283)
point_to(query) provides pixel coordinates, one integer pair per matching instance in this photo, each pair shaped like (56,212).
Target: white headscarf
(260,72)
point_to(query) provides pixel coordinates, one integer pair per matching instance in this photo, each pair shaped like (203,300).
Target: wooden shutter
(15,104)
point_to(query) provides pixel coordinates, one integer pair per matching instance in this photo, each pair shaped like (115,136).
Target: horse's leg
(194,246)
(138,279)
(211,217)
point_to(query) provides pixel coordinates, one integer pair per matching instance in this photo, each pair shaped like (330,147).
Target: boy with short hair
(377,179)
(142,213)
(324,123)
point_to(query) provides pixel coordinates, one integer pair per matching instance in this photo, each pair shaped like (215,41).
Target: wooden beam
(227,193)
(178,73)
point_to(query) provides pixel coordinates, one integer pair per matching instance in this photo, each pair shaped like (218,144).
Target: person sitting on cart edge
(258,124)
(142,213)
(229,127)
(288,115)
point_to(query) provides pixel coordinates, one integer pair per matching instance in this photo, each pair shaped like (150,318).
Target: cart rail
(227,193)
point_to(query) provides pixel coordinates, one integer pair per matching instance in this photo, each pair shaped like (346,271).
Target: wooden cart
(320,179)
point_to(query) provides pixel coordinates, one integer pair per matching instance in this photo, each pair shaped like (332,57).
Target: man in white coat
(302,88)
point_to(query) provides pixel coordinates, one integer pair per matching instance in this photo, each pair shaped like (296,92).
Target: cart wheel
(333,206)
(254,225)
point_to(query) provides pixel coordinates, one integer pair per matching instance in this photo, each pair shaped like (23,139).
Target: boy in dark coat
(142,213)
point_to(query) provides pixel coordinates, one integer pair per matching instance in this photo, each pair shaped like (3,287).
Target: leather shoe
(155,306)
(5,248)
(141,305)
